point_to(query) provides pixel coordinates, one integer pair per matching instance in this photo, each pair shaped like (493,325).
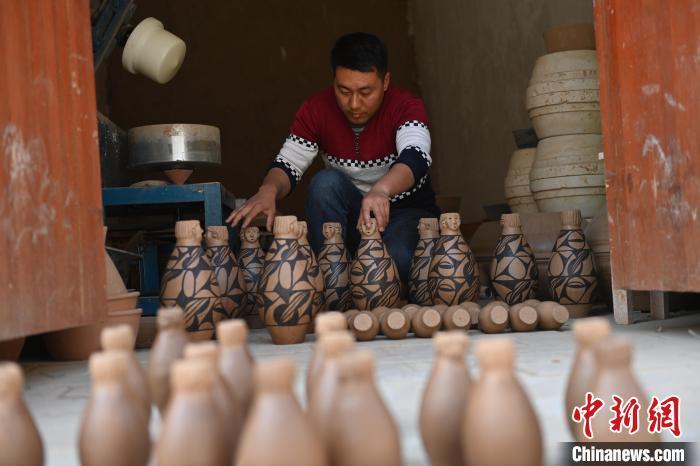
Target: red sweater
(397,133)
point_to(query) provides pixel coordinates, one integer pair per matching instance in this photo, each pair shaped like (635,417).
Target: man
(375,142)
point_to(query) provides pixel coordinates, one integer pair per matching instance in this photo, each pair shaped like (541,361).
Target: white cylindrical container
(517,182)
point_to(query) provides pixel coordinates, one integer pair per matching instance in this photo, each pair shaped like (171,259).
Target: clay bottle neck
(216,243)
(449,232)
(429,234)
(303,240)
(335,239)
(188,242)
(250,244)
(571,227)
(374,235)
(509,230)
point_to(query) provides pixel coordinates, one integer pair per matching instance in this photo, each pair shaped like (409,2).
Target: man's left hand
(376,202)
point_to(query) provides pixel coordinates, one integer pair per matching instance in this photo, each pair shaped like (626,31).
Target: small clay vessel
(374,276)
(168,346)
(473,309)
(277,431)
(428,234)
(113,430)
(349,315)
(493,318)
(335,263)
(286,289)
(394,324)
(192,432)
(20,442)
(500,426)
(572,273)
(411,308)
(532,302)
(364,326)
(325,323)
(456,318)
(454,273)
(235,361)
(362,430)
(444,400)
(513,268)
(229,407)
(334,345)
(589,333)
(121,338)
(614,376)
(314,271)
(379,311)
(426,322)
(228,274)
(251,260)
(522,317)
(189,282)
(551,315)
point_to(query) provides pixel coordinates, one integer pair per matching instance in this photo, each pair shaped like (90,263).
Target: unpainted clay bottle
(473,309)
(168,346)
(315,275)
(113,430)
(493,318)
(444,400)
(374,277)
(251,259)
(334,345)
(379,311)
(230,410)
(121,338)
(362,429)
(349,315)
(532,302)
(286,289)
(456,318)
(588,333)
(228,274)
(513,268)
(394,324)
(364,326)
(235,361)
(500,425)
(335,263)
(410,309)
(522,317)
(454,273)
(191,432)
(614,376)
(428,234)
(425,322)
(551,315)
(277,431)
(572,273)
(189,282)
(325,323)
(20,442)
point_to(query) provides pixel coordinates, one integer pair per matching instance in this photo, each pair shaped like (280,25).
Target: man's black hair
(360,51)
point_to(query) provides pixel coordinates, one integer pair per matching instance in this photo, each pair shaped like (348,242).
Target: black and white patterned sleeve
(413,147)
(295,157)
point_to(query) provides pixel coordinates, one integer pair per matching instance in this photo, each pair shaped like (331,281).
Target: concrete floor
(666,361)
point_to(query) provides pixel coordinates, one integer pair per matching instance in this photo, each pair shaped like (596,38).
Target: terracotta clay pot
(327,322)
(517,182)
(113,428)
(426,322)
(168,347)
(374,276)
(11,349)
(228,274)
(189,282)
(277,417)
(454,274)
(235,362)
(573,278)
(444,400)
(473,309)
(20,443)
(493,317)
(394,324)
(456,318)
(551,315)
(498,412)
(122,302)
(522,317)
(251,260)
(364,325)
(428,234)
(513,270)
(286,289)
(335,264)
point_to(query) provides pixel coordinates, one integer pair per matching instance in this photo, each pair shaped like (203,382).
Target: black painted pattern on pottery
(335,267)
(514,270)
(572,272)
(229,278)
(418,289)
(454,273)
(374,277)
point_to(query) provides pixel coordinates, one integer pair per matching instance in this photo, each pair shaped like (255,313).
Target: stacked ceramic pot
(563,101)
(517,182)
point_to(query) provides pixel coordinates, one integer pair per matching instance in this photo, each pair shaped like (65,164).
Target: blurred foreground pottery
(168,347)
(20,442)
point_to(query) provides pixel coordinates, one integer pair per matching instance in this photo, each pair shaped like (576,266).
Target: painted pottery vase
(314,270)
(454,273)
(228,274)
(251,259)
(189,282)
(335,263)
(286,290)
(428,234)
(572,273)
(374,276)
(513,267)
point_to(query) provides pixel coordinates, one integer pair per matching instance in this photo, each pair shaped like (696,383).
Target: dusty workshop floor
(666,359)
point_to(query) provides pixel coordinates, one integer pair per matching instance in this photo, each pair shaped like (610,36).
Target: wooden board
(649,63)
(52,270)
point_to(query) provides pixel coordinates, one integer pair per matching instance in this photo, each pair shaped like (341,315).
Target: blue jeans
(333,198)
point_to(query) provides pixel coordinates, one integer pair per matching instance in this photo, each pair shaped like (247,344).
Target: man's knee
(326,182)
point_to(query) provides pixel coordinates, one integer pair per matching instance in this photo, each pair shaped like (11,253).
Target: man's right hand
(262,202)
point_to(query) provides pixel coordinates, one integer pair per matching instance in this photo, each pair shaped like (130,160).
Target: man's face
(359,94)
